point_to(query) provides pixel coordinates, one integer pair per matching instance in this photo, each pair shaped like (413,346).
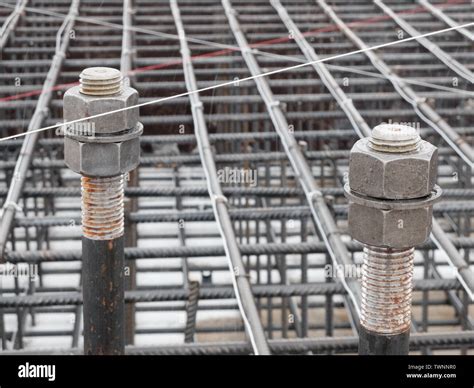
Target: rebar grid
(285,135)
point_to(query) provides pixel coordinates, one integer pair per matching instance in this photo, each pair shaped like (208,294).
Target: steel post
(391,193)
(102,151)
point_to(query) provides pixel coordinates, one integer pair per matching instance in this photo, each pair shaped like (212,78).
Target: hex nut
(102,159)
(77,105)
(390,175)
(390,228)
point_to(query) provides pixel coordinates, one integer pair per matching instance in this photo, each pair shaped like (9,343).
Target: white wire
(237,81)
(209,43)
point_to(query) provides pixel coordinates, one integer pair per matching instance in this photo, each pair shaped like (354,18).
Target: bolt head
(77,105)
(392,175)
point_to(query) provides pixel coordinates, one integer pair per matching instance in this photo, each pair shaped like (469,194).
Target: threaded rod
(387,276)
(100,81)
(102,207)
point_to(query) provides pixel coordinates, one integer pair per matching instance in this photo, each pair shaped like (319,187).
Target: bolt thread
(102,207)
(100,81)
(387,276)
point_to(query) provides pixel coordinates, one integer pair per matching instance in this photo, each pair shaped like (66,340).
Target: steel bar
(205,251)
(218,118)
(137,30)
(10,205)
(440,89)
(22,165)
(11,22)
(103,296)
(462,269)
(290,271)
(370,342)
(131,235)
(456,142)
(221,292)
(423,110)
(282,346)
(236,214)
(240,280)
(358,123)
(322,217)
(447,59)
(453,193)
(191,312)
(422,286)
(282,267)
(437,12)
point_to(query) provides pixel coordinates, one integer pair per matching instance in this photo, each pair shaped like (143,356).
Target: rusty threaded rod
(102,151)
(103,242)
(102,207)
(387,276)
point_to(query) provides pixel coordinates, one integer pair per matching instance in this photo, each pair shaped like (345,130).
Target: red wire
(211,54)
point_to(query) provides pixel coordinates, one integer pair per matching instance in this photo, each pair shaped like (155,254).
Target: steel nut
(102,159)
(78,105)
(390,175)
(390,228)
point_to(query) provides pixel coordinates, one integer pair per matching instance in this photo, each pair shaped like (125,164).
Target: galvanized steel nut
(102,159)
(390,228)
(78,105)
(388,223)
(393,175)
